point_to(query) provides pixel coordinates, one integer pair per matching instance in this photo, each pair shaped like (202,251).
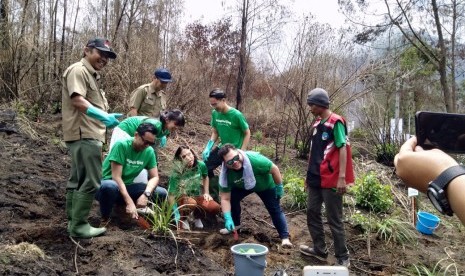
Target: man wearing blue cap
(84,122)
(150,99)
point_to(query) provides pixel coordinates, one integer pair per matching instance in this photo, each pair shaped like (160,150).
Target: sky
(324,11)
(207,11)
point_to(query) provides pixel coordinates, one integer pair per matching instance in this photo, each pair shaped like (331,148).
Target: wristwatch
(437,189)
(147,194)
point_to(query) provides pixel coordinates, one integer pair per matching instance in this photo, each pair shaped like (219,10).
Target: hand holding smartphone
(444,131)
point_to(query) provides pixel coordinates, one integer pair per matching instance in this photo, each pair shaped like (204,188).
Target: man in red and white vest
(329,172)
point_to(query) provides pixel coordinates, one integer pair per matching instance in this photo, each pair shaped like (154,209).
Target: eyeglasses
(233,160)
(147,142)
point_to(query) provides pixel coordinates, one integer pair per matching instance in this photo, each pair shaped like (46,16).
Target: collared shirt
(147,101)
(81,78)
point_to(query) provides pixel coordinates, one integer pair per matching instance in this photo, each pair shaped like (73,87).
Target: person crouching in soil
(125,161)
(187,180)
(246,172)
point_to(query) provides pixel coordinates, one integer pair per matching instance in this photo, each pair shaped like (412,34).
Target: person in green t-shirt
(242,174)
(125,161)
(169,121)
(228,126)
(188,187)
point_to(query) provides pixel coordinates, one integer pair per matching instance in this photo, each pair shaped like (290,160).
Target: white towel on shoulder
(249,178)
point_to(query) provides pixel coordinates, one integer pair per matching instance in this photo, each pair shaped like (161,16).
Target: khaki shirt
(147,101)
(81,78)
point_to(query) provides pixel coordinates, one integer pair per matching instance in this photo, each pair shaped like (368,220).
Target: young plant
(295,195)
(362,222)
(437,269)
(371,194)
(396,230)
(162,218)
(385,153)
(258,135)
(268,151)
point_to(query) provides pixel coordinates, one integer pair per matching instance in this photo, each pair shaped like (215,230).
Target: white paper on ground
(412,192)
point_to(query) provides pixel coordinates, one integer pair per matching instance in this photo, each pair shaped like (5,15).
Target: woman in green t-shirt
(168,121)
(188,188)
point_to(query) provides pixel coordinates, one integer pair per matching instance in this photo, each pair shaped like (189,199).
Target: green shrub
(362,222)
(371,194)
(355,151)
(295,195)
(385,153)
(289,141)
(258,135)
(290,173)
(302,150)
(359,133)
(268,151)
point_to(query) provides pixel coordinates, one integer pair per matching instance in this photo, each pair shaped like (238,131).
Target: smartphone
(325,270)
(444,131)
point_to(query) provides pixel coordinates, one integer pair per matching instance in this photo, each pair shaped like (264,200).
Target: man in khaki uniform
(84,119)
(150,99)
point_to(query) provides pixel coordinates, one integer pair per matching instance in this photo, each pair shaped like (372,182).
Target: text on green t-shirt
(133,161)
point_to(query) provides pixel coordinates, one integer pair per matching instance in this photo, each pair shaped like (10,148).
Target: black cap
(163,75)
(217,94)
(103,45)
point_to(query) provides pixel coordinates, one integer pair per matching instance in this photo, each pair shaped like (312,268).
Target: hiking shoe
(343,262)
(185,225)
(310,251)
(198,223)
(286,243)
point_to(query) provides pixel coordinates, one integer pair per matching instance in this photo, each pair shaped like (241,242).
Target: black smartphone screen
(444,131)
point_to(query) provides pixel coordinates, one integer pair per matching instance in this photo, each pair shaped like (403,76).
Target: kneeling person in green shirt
(187,180)
(168,121)
(125,161)
(244,173)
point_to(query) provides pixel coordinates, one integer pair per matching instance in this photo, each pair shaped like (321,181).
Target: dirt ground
(34,241)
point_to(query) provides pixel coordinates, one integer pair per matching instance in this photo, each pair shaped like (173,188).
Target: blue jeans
(108,195)
(268,198)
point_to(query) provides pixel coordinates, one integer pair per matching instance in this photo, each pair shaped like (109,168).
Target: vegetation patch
(371,194)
